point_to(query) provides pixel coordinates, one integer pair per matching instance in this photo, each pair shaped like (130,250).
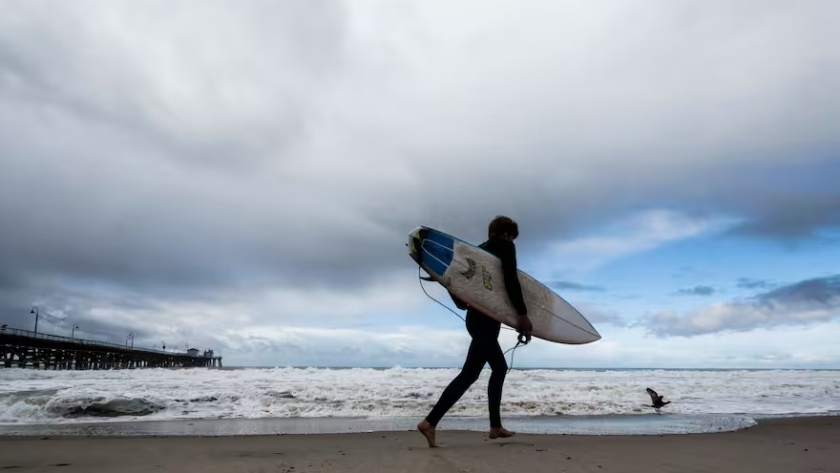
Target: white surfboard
(475,276)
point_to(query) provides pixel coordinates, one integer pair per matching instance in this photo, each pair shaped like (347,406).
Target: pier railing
(79,341)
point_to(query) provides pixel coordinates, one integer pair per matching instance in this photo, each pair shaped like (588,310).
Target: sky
(242,176)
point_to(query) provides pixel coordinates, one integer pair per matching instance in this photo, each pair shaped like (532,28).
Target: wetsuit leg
(499,365)
(476,358)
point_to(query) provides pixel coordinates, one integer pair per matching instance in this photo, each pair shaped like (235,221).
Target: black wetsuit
(484,347)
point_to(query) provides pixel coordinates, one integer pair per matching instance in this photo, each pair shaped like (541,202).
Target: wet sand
(774,445)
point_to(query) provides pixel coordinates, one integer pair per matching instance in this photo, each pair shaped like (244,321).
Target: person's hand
(524,327)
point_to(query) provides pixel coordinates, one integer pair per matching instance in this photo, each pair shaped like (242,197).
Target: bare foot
(500,432)
(428,431)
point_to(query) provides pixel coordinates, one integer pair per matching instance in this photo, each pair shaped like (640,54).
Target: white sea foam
(37,397)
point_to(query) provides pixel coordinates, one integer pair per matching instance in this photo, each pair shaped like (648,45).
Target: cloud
(795,347)
(205,320)
(821,292)
(804,203)
(749,283)
(641,232)
(599,314)
(574,286)
(296,345)
(159,153)
(698,291)
(806,302)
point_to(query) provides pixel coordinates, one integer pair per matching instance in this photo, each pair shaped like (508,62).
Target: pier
(26,349)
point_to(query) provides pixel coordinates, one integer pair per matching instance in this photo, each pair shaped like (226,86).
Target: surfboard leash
(519,341)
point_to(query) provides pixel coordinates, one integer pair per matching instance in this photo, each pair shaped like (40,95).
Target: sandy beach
(774,445)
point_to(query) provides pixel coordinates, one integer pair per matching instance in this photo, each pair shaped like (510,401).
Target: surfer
(484,331)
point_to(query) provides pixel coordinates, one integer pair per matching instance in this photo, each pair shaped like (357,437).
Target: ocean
(315,400)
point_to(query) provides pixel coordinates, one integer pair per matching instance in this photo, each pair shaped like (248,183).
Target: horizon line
(531,368)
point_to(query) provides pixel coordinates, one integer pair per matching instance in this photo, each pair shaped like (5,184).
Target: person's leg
(499,366)
(470,371)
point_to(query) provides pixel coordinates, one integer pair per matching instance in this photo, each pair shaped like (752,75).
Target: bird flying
(657,400)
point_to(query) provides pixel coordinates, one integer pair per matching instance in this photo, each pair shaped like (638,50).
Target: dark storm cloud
(697,291)
(795,217)
(59,309)
(9,280)
(781,198)
(805,302)
(111,192)
(175,152)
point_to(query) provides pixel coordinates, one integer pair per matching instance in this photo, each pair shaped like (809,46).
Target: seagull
(657,400)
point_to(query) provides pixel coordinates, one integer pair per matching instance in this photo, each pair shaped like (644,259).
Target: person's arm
(509,272)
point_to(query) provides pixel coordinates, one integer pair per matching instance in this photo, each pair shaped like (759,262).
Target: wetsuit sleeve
(509,271)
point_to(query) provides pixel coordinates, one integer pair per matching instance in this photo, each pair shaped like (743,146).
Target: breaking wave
(50,397)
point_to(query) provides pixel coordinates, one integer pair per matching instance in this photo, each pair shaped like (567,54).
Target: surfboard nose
(592,332)
(595,334)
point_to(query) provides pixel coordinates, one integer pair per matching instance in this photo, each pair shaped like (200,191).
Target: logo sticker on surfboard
(488,278)
(471,270)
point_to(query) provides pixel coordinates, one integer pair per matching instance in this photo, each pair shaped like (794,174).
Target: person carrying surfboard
(484,332)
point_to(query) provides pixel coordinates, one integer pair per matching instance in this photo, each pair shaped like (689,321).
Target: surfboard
(474,275)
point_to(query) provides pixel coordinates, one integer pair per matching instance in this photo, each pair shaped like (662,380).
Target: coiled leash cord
(519,340)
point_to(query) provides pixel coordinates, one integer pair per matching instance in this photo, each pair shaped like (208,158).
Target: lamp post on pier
(73,332)
(35,311)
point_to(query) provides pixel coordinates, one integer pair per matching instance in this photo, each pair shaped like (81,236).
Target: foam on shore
(651,424)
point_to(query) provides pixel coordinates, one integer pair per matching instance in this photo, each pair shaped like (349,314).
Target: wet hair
(501,225)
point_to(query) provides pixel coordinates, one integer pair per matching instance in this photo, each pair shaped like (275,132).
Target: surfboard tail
(415,250)
(415,245)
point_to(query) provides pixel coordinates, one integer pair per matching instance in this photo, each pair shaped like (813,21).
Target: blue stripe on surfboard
(439,251)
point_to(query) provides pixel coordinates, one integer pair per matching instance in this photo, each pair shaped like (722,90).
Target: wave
(32,396)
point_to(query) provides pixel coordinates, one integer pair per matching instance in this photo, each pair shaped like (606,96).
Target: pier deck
(26,349)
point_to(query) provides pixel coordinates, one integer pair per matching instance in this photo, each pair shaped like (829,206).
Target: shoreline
(759,422)
(637,425)
(772,445)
